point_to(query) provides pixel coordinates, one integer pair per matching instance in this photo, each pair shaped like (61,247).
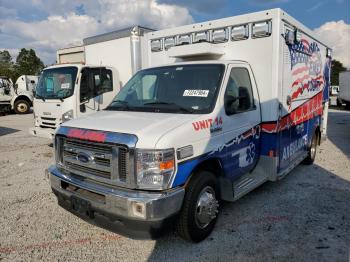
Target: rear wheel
(200,208)
(309,160)
(22,107)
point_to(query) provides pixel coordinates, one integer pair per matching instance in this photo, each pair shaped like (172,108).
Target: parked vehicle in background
(334,90)
(67,91)
(26,83)
(344,89)
(19,97)
(225,106)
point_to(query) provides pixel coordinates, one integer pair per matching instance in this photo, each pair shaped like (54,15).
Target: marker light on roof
(220,35)
(183,39)
(289,37)
(262,29)
(201,37)
(169,42)
(240,32)
(329,52)
(156,45)
(298,35)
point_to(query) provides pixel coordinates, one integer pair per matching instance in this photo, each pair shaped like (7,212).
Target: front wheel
(21,107)
(200,208)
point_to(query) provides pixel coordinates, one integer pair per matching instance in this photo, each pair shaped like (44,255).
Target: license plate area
(81,206)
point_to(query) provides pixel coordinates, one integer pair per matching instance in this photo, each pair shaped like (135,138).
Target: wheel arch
(215,166)
(21,97)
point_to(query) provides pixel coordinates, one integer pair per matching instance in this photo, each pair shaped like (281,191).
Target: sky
(46,25)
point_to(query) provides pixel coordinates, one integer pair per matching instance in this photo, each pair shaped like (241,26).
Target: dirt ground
(304,217)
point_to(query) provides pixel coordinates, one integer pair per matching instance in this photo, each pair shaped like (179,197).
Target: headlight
(67,116)
(155,168)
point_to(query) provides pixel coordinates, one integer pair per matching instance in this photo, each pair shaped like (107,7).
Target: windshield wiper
(40,97)
(183,109)
(125,104)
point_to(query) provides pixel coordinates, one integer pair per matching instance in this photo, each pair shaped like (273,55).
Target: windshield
(175,89)
(56,83)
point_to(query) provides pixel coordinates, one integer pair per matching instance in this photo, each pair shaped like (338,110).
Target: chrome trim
(113,159)
(118,201)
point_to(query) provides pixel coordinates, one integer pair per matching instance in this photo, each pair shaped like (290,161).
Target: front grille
(48,118)
(48,122)
(95,159)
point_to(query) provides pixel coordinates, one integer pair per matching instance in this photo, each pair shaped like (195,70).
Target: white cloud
(337,34)
(63,25)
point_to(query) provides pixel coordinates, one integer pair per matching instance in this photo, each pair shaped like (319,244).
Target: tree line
(26,63)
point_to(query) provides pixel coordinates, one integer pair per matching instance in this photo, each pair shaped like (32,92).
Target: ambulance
(222,107)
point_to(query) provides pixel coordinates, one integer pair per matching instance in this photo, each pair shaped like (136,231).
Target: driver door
(87,103)
(241,121)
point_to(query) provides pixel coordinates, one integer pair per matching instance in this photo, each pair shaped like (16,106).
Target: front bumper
(48,133)
(136,214)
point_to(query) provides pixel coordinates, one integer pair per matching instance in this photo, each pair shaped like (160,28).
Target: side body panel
(344,86)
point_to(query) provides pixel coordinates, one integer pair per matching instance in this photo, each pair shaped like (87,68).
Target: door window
(95,82)
(102,80)
(239,94)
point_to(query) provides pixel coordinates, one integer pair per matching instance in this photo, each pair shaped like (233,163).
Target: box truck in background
(344,89)
(69,90)
(225,106)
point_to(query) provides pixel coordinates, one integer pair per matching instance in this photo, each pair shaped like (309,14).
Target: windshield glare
(56,83)
(177,89)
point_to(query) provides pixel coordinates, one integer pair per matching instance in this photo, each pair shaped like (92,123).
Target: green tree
(5,58)
(337,67)
(27,63)
(6,64)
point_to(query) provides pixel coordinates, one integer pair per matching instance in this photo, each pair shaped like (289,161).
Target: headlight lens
(67,116)
(155,168)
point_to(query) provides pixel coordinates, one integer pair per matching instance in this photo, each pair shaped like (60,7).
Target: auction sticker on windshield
(65,85)
(195,92)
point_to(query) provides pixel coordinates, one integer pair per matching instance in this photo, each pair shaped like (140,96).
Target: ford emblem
(84,157)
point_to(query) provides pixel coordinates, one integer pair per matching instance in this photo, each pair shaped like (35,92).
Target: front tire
(21,107)
(200,208)
(309,160)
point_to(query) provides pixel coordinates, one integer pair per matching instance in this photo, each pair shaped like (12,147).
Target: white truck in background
(69,90)
(18,97)
(225,106)
(344,89)
(26,83)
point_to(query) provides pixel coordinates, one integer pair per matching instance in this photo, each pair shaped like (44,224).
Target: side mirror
(229,109)
(82,108)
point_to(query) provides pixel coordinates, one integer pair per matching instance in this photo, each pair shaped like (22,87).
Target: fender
(25,95)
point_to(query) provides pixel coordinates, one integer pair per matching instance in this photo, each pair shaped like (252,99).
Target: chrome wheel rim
(22,108)
(206,207)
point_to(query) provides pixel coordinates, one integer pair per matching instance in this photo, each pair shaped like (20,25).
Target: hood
(149,127)
(52,107)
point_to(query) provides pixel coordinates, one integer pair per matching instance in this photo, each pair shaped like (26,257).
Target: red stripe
(300,70)
(304,112)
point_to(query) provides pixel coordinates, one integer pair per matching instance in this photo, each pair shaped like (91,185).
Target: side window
(85,87)
(102,81)
(239,94)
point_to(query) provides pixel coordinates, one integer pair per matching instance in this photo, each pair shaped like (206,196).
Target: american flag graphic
(306,68)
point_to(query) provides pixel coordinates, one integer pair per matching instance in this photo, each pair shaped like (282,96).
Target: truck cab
(68,91)
(12,98)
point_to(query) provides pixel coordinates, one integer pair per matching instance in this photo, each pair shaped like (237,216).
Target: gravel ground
(304,217)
